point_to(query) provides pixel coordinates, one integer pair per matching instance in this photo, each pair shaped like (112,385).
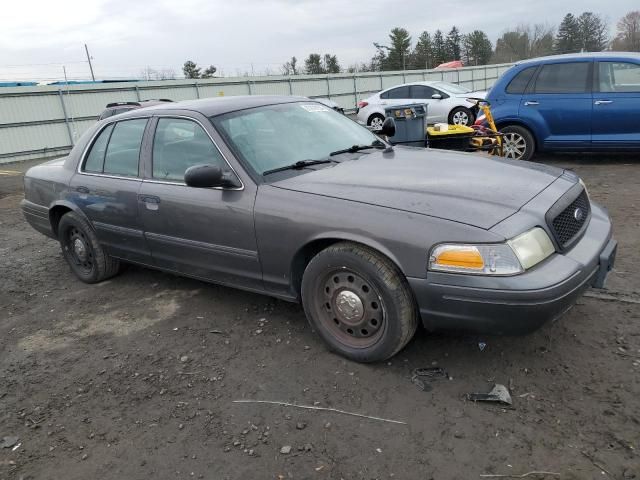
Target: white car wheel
(376,121)
(461,116)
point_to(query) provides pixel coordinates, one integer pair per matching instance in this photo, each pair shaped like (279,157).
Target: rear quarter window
(519,83)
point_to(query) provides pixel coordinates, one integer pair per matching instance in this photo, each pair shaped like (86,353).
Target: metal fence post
(66,117)
(458,76)
(290,86)
(381,87)
(197,87)
(355,90)
(328,88)
(249,87)
(137,92)
(424,76)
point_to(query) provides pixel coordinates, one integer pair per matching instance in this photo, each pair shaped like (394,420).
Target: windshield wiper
(357,148)
(298,165)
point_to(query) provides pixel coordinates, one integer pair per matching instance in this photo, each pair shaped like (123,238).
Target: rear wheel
(83,252)
(461,116)
(358,302)
(519,144)
(375,121)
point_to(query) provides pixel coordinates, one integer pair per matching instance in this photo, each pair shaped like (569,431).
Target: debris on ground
(482,346)
(421,375)
(285,450)
(524,475)
(325,409)
(499,394)
(8,442)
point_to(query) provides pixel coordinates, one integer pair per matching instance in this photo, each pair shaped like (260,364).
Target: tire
(519,143)
(461,116)
(82,251)
(375,121)
(359,302)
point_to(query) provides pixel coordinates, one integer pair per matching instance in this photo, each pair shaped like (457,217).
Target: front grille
(568,223)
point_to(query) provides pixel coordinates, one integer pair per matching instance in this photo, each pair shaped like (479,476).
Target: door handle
(150,201)
(82,189)
(531,102)
(603,102)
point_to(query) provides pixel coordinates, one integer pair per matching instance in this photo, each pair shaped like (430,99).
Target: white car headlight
(510,258)
(532,247)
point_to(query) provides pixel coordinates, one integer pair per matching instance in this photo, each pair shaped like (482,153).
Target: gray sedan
(286,197)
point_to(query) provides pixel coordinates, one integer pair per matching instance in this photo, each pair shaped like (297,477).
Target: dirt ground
(136,378)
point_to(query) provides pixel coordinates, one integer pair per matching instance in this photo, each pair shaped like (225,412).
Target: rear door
(437,109)
(558,105)
(203,232)
(616,105)
(396,96)
(106,188)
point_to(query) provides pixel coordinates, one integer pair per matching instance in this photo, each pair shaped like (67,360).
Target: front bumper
(521,303)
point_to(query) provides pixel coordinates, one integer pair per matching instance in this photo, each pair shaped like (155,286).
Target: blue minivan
(576,102)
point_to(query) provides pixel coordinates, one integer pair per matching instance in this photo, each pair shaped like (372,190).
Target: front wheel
(358,302)
(518,143)
(83,252)
(461,116)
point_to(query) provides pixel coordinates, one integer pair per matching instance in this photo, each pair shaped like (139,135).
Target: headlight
(532,247)
(514,256)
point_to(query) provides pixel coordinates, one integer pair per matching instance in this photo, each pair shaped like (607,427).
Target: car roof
(581,56)
(428,83)
(220,105)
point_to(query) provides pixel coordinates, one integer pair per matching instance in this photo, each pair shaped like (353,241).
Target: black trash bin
(410,124)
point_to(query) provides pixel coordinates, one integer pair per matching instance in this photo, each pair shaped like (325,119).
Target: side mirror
(388,127)
(207,176)
(436,96)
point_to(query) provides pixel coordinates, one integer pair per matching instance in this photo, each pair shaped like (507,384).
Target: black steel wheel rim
(79,251)
(350,308)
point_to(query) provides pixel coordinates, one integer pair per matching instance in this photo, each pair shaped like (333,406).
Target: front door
(437,110)
(558,105)
(106,189)
(203,232)
(616,105)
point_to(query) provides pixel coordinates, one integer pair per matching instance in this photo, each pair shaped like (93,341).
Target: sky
(124,37)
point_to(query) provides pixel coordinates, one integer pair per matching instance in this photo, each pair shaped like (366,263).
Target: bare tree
(628,35)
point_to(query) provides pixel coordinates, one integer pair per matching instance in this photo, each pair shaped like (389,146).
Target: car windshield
(275,136)
(452,87)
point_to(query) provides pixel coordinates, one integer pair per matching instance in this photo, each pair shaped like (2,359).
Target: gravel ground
(136,378)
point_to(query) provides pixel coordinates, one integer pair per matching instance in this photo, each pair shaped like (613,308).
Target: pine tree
(453,44)
(190,69)
(477,48)
(313,64)
(568,38)
(593,32)
(422,56)
(439,49)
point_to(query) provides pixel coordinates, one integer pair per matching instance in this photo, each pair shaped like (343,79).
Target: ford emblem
(578,214)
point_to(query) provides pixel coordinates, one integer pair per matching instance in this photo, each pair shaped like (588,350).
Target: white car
(447,103)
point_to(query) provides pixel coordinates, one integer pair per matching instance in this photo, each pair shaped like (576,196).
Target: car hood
(472,189)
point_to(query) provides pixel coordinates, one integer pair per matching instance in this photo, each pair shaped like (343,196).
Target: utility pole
(89,60)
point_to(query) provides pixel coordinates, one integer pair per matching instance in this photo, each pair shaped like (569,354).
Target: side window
(95,159)
(518,84)
(618,77)
(563,78)
(123,151)
(179,144)
(422,91)
(400,92)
